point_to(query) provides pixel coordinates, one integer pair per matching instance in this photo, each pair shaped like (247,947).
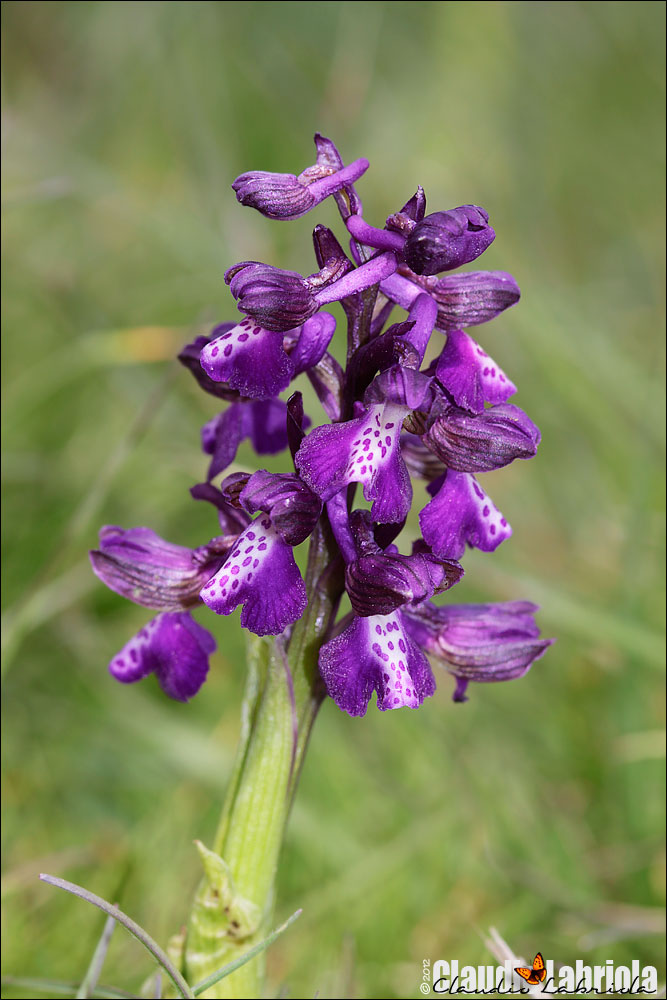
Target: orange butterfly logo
(535,975)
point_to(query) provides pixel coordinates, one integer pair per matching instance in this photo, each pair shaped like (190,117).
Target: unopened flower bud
(285,196)
(445,240)
(278,300)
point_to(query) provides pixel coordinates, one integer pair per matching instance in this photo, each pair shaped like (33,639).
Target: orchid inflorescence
(390,418)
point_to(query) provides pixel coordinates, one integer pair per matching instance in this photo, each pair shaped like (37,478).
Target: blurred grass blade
(156,951)
(226,970)
(36,605)
(39,606)
(97,961)
(63,989)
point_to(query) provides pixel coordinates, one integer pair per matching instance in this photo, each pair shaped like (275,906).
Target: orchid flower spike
(403,404)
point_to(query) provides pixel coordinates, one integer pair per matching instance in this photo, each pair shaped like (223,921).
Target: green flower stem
(233,906)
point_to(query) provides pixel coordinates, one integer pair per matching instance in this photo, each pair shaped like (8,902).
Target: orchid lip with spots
(415,399)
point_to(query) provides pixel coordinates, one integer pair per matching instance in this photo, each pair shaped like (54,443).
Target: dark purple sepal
(329,158)
(469,375)
(276,300)
(445,240)
(389,348)
(331,258)
(145,569)
(479,642)
(260,573)
(174,648)
(482,442)
(248,358)
(263,421)
(380,582)
(462,300)
(413,211)
(422,463)
(297,421)
(459,513)
(328,250)
(293,508)
(232,486)
(328,380)
(473,297)
(190,358)
(375,654)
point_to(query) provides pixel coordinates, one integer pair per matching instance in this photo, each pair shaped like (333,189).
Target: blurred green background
(536,808)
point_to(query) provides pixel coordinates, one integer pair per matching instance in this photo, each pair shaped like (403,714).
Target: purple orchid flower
(375,654)
(248,361)
(174,648)
(387,419)
(366,449)
(263,421)
(445,240)
(378,581)
(248,358)
(432,243)
(461,512)
(261,574)
(293,508)
(469,375)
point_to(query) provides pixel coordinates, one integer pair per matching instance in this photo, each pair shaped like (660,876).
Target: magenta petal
(267,425)
(470,376)
(136,659)
(250,359)
(364,450)
(174,647)
(221,437)
(314,338)
(461,512)
(190,358)
(375,654)
(261,574)
(264,421)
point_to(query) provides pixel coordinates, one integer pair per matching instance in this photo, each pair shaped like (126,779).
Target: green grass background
(537,807)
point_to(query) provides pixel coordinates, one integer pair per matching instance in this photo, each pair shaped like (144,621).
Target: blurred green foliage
(535,808)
